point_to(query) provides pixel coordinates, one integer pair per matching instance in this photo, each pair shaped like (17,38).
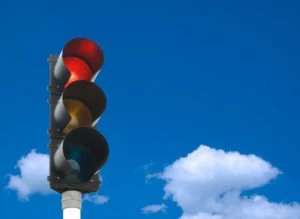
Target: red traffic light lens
(79,70)
(83,58)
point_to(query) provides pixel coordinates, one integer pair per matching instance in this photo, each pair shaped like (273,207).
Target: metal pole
(71,204)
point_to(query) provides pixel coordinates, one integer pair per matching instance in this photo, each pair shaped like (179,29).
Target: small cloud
(96,199)
(153,176)
(146,166)
(150,209)
(145,169)
(34,170)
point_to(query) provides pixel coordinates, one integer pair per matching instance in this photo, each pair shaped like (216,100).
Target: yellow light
(80,115)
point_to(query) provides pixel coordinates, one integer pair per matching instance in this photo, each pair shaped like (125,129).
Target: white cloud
(96,199)
(207,184)
(34,168)
(154,208)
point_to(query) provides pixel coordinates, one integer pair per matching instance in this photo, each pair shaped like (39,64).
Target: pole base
(71,199)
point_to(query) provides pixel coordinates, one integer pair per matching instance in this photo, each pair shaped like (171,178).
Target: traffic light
(77,149)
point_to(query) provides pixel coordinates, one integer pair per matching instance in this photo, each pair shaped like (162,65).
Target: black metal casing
(56,137)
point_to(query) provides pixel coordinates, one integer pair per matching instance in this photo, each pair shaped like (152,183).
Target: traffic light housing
(77,149)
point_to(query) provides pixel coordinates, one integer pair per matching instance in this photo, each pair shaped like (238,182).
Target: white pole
(71,204)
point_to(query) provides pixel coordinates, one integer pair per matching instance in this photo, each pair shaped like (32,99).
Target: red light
(79,69)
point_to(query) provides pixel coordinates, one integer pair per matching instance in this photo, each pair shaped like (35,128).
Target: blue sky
(177,75)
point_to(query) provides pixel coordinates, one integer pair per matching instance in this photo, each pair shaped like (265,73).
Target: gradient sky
(177,74)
